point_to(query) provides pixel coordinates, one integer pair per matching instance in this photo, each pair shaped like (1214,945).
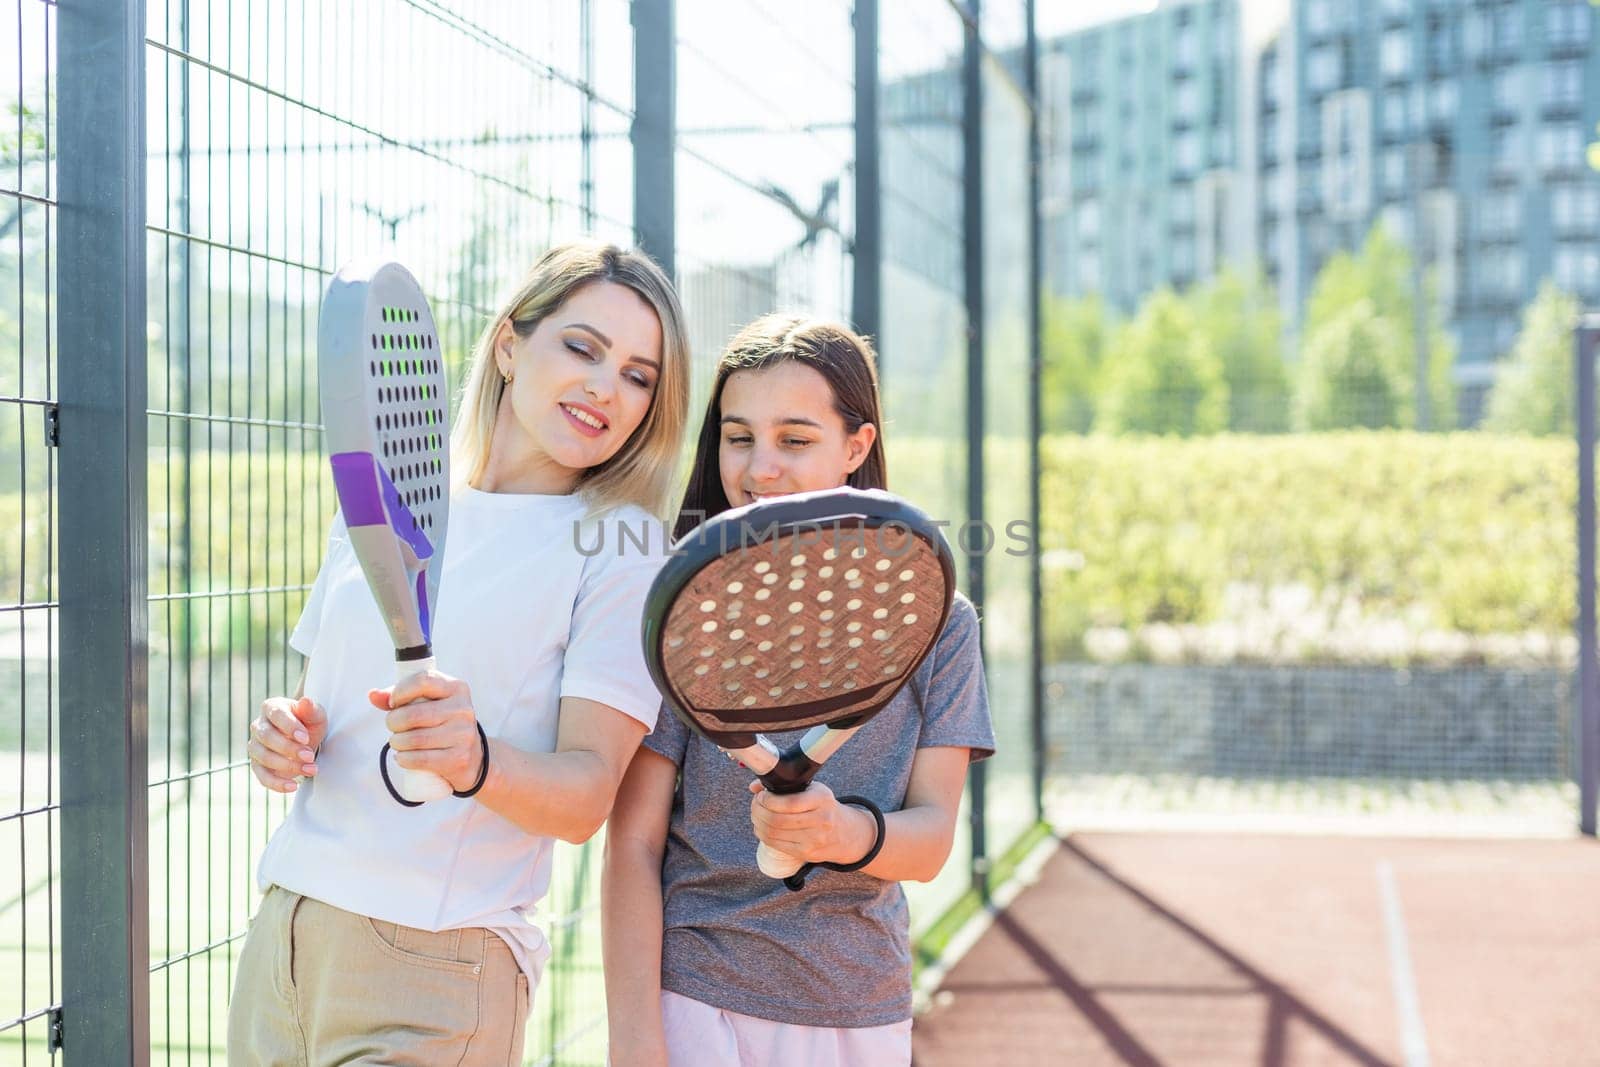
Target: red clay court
(1176,949)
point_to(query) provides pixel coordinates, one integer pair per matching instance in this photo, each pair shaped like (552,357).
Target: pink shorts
(699,1035)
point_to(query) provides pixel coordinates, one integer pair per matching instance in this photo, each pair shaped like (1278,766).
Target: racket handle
(775,864)
(417,786)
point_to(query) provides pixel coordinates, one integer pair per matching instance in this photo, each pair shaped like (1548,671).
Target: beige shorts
(699,1035)
(318,985)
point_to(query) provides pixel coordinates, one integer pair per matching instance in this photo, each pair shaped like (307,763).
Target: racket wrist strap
(483,768)
(472,790)
(798,878)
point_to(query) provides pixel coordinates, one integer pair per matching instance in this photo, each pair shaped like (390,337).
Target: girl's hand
(432,726)
(284,740)
(811,825)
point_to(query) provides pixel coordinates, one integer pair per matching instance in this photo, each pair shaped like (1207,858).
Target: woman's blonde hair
(643,470)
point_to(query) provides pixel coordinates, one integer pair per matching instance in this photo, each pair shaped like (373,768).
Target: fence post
(1586,344)
(972,242)
(1035,419)
(866,302)
(105,928)
(655,117)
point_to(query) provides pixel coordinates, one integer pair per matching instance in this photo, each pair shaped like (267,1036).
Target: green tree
(1533,388)
(1236,318)
(1076,332)
(1349,373)
(1160,377)
(1380,273)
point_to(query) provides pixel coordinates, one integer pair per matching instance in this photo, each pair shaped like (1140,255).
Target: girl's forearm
(916,843)
(553,794)
(630,942)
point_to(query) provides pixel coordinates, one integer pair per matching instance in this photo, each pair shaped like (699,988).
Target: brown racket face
(804,629)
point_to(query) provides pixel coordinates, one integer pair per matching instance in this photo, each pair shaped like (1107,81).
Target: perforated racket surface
(809,611)
(384,396)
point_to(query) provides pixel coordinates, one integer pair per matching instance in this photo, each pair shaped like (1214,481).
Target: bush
(1322,536)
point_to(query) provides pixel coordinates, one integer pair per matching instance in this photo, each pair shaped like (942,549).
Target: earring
(506,375)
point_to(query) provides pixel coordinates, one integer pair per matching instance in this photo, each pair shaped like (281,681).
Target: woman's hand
(284,740)
(811,825)
(432,727)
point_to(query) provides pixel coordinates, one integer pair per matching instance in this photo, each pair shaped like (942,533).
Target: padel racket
(810,610)
(383,413)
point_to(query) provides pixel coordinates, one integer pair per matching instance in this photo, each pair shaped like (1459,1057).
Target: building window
(1563,85)
(1587,215)
(1319,16)
(1322,69)
(1567,24)
(1394,54)
(1507,30)
(1186,152)
(1503,89)
(1442,103)
(1394,115)
(1503,272)
(1577,268)
(1441,45)
(1563,206)
(1088,220)
(1089,273)
(1221,148)
(1474,36)
(1499,214)
(1180,206)
(1505,146)
(1183,258)
(1186,101)
(1346,153)
(1561,146)
(1187,50)
(1394,171)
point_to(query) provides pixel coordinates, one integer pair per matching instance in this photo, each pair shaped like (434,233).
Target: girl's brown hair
(845,360)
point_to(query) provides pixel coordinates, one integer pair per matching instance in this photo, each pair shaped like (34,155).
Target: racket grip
(775,864)
(418,786)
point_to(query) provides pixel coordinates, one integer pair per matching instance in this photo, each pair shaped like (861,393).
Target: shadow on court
(1146,949)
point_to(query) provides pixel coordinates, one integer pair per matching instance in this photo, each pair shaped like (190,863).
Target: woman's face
(781,434)
(581,383)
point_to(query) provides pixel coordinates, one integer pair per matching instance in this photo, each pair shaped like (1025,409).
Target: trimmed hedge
(1464,534)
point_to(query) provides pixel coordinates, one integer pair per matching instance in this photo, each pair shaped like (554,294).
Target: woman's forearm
(630,940)
(554,794)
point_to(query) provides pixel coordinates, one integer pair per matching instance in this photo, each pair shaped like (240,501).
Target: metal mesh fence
(30,915)
(924,303)
(283,138)
(1291,545)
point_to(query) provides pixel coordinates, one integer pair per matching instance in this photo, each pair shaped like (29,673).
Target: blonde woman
(402,935)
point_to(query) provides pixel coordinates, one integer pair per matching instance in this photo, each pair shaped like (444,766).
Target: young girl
(707,960)
(401,935)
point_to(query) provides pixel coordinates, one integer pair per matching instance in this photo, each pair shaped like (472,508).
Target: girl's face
(581,383)
(781,434)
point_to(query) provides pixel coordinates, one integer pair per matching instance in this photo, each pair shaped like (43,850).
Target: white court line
(1413,1039)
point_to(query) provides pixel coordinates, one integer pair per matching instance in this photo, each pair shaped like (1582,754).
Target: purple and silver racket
(384,400)
(809,610)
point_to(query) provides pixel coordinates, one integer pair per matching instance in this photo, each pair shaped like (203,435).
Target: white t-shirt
(531,609)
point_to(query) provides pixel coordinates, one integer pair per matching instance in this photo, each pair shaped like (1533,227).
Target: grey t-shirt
(838,952)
